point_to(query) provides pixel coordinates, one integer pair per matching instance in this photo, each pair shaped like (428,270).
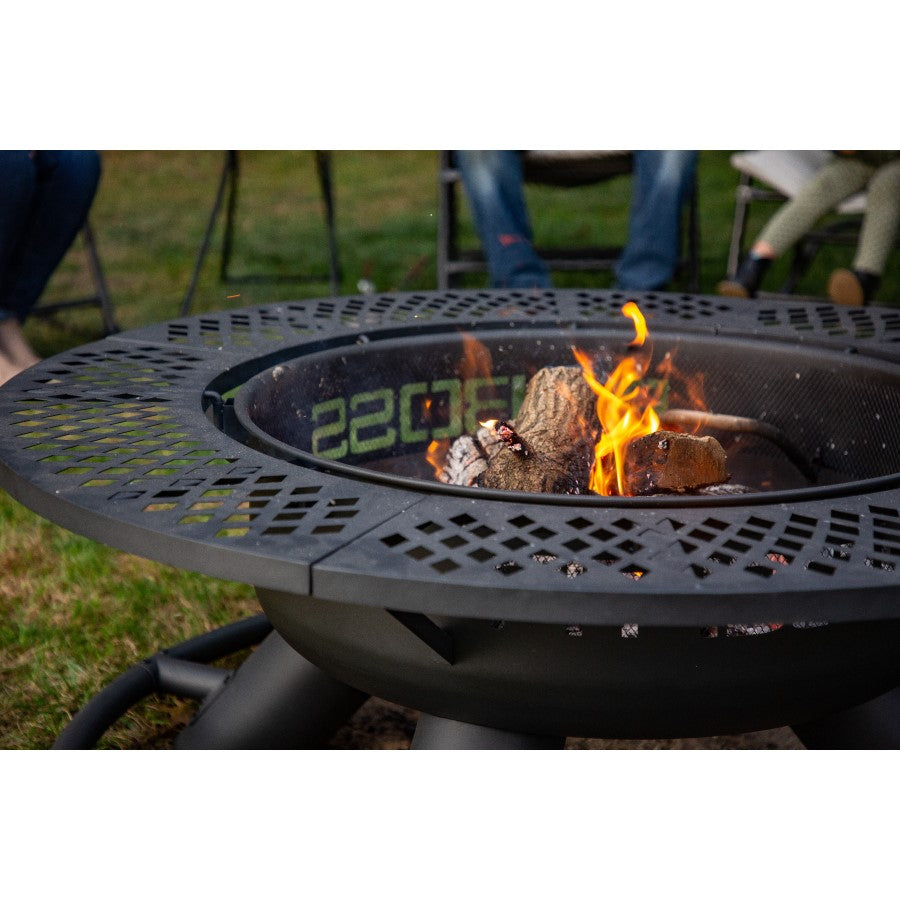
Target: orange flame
(476,361)
(630,309)
(436,455)
(625,409)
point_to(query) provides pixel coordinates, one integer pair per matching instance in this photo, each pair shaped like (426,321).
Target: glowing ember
(625,409)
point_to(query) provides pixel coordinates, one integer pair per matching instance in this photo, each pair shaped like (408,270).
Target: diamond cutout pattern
(130,447)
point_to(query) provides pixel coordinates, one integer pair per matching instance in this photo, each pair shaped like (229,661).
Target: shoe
(731,289)
(748,277)
(851,287)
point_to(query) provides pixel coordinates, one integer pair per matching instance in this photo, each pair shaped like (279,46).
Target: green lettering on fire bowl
(415,413)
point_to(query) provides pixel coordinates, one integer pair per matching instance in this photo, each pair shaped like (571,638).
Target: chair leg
(802,259)
(230,215)
(323,168)
(446,238)
(106,308)
(229,172)
(694,238)
(230,177)
(101,296)
(742,200)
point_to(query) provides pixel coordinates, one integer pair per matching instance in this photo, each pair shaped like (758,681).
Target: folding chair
(777,175)
(99,298)
(230,178)
(562,169)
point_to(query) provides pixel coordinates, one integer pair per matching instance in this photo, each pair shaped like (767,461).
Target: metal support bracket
(426,631)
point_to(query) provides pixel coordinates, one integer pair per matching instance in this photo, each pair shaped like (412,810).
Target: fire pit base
(872,726)
(541,679)
(276,699)
(435,733)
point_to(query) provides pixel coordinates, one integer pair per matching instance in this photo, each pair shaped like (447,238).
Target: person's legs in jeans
(64,187)
(494,186)
(662,182)
(44,202)
(18,184)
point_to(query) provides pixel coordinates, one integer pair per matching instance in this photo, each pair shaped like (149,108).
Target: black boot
(852,287)
(748,278)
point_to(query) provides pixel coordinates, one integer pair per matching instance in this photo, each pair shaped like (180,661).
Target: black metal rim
(245,392)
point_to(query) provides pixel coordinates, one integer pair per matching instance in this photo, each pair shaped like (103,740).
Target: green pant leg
(833,183)
(879,228)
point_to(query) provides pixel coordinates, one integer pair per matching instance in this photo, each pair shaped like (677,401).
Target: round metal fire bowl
(589,681)
(116,440)
(496,609)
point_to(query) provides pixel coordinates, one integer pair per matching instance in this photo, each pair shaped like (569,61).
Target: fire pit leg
(276,700)
(434,733)
(871,726)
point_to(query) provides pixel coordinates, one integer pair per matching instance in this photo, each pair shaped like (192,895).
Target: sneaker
(852,288)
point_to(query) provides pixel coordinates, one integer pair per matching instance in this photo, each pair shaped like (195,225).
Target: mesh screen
(381,405)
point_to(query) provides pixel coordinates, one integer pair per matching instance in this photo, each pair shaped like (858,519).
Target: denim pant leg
(495,189)
(64,183)
(18,182)
(662,181)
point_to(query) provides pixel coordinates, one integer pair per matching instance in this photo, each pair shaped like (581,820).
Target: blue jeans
(45,196)
(494,186)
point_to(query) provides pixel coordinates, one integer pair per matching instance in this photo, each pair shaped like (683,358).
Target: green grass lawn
(73,613)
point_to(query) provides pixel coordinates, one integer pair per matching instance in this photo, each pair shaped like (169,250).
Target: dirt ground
(380,725)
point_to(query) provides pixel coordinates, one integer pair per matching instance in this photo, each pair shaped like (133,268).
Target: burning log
(548,448)
(671,462)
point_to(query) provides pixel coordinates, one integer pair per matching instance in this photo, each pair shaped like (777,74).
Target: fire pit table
(286,446)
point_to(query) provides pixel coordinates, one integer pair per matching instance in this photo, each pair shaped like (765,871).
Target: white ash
(750,630)
(716,490)
(468,457)
(572,569)
(464,462)
(544,558)
(712,631)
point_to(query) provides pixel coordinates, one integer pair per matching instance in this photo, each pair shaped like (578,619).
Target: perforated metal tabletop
(111,440)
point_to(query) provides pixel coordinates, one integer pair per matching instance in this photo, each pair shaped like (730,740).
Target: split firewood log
(668,461)
(548,449)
